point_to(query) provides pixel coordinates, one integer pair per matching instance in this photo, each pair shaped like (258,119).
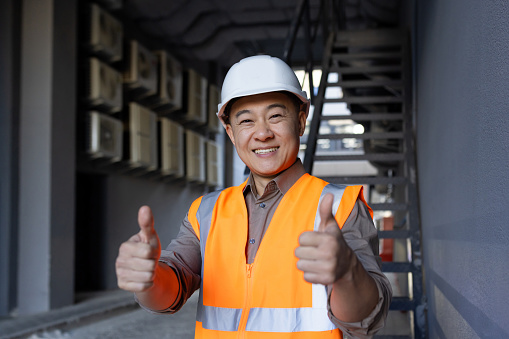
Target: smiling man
(265,129)
(285,254)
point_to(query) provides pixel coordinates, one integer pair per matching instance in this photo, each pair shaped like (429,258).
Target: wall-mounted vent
(195,157)
(213,168)
(172,148)
(213,124)
(106,34)
(104,136)
(141,73)
(105,86)
(170,82)
(196,98)
(142,137)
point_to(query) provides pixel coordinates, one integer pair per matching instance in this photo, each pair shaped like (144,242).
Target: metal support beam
(292,32)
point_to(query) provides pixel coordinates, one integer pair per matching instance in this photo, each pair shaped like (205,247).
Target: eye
(276,116)
(245,121)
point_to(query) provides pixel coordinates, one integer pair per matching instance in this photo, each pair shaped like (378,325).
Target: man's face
(265,129)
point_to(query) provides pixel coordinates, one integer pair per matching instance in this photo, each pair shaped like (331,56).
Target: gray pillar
(47,155)
(9,112)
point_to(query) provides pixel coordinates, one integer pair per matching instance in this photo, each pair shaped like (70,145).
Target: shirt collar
(284,181)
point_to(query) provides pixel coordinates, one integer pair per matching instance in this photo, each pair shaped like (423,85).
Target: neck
(260,181)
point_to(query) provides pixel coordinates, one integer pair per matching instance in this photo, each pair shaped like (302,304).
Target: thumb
(146,222)
(325,210)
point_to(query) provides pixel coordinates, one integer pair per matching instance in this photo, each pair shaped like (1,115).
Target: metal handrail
(332,19)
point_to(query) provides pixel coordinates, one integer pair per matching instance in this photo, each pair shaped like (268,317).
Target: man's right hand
(138,257)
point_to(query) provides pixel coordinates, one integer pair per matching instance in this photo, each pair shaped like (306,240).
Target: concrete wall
(462,67)
(125,195)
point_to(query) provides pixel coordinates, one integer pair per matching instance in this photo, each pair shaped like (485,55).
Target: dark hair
(228,108)
(297,103)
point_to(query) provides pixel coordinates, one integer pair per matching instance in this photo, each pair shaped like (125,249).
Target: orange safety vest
(269,298)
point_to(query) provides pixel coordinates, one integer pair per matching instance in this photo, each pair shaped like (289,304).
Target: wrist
(164,289)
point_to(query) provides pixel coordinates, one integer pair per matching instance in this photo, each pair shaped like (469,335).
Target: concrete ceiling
(224,31)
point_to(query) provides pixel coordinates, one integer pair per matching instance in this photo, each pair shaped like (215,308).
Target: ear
(302,122)
(229,131)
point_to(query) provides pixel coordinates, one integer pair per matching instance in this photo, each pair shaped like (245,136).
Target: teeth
(266,151)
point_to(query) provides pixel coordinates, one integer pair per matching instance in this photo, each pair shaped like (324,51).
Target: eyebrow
(271,106)
(276,105)
(239,113)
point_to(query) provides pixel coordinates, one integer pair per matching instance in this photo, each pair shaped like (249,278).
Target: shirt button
(251,241)
(262,205)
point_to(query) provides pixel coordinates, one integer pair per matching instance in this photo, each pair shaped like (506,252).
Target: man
(283,255)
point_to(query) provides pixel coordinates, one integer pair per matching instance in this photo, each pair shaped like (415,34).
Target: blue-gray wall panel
(463,161)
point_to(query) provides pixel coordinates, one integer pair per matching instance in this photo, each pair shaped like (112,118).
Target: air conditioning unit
(104,87)
(172,148)
(104,136)
(142,137)
(141,73)
(106,34)
(195,157)
(196,98)
(169,92)
(214,124)
(213,168)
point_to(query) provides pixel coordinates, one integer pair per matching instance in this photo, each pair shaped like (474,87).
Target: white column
(47,155)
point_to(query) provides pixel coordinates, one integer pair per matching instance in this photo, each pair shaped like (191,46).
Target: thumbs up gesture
(138,257)
(323,255)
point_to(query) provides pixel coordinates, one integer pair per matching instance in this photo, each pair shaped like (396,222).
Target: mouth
(266,150)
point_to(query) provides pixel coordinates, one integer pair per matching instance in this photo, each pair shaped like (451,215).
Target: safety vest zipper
(247,301)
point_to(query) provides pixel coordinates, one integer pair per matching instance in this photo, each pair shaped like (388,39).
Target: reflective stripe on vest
(264,317)
(267,319)
(289,320)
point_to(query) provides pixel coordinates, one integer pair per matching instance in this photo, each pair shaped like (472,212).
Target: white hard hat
(259,74)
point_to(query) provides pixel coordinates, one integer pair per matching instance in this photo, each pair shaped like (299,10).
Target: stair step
(403,234)
(366,69)
(369,157)
(365,180)
(374,55)
(372,37)
(366,83)
(401,304)
(388,207)
(366,100)
(386,135)
(397,267)
(365,116)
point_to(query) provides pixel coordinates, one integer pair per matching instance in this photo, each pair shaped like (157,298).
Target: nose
(263,131)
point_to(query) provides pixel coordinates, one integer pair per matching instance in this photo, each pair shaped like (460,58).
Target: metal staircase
(366,82)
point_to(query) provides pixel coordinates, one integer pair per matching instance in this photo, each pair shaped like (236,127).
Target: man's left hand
(323,255)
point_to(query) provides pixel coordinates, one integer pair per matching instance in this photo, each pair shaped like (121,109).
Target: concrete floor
(133,324)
